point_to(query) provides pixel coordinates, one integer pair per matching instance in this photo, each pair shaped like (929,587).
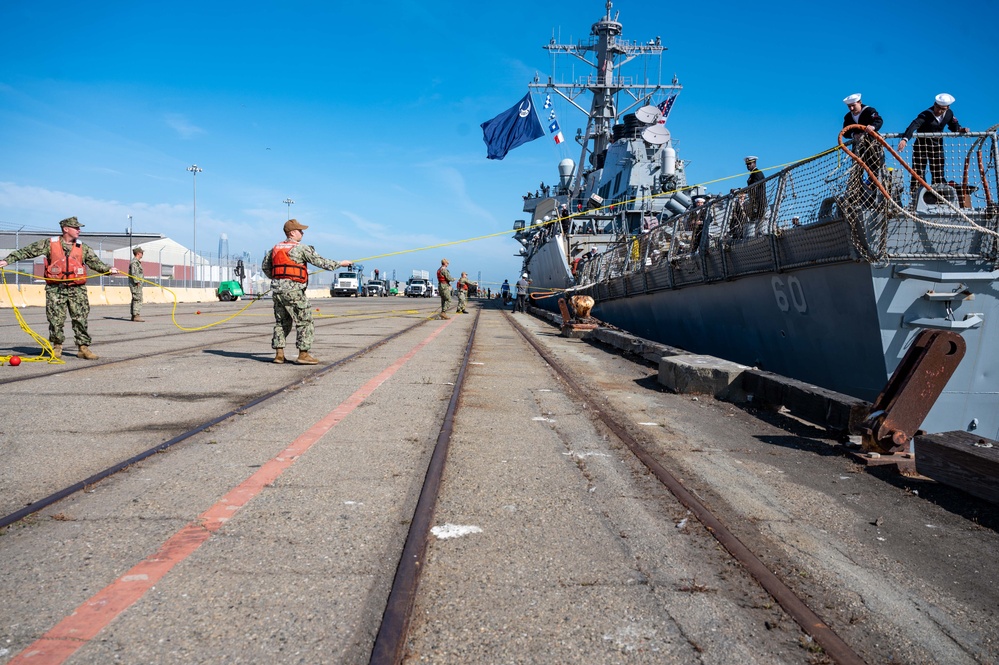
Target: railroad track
(834,645)
(390,643)
(390,634)
(256,401)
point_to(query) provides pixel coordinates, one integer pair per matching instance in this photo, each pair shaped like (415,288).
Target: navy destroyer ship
(825,271)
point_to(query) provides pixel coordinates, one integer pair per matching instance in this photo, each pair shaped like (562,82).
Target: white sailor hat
(943,99)
(852,99)
(751,158)
(524,275)
(699,200)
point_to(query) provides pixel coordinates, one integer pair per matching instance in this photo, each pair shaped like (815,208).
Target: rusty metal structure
(912,391)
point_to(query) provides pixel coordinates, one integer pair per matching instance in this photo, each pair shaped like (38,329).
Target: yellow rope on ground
(47,354)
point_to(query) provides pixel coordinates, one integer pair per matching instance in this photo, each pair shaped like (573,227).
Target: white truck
(419,285)
(418,288)
(375,288)
(346,284)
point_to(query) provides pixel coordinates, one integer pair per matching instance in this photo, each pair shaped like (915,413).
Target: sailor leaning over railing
(928,151)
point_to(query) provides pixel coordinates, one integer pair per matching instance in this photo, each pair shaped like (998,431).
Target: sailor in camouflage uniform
(444,280)
(462,287)
(66,263)
(135,282)
(286,265)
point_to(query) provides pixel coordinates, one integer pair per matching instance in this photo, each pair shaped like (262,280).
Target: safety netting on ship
(865,201)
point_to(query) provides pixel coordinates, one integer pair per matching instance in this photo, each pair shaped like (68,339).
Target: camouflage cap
(71,222)
(138,250)
(293,225)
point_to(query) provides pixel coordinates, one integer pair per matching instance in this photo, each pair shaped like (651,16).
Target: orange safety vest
(282,267)
(440,276)
(65,270)
(462,286)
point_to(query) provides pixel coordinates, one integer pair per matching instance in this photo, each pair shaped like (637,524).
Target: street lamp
(195,170)
(17,245)
(289,202)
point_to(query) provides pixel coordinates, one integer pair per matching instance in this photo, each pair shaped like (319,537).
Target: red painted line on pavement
(87,620)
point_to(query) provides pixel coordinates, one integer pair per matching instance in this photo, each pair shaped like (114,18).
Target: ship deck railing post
(995,220)
(726,234)
(674,243)
(775,211)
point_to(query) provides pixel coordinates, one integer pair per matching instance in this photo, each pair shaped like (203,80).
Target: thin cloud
(179,123)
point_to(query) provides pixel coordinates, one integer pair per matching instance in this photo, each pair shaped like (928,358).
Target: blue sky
(367,115)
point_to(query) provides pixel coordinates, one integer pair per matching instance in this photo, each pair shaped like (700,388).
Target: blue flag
(516,126)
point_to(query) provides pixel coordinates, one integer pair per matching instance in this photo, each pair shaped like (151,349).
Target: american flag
(665,107)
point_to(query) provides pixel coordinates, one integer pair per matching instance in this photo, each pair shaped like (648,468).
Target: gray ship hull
(824,270)
(842,327)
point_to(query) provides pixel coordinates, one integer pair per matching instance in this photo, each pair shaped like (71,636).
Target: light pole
(129,237)
(17,245)
(195,170)
(289,203)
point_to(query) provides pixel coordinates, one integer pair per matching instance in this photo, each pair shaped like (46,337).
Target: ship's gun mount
(912,390)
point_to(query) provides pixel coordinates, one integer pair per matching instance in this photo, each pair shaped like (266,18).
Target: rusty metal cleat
(911,391)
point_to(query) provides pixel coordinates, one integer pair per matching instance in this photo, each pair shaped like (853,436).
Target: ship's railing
(824,210)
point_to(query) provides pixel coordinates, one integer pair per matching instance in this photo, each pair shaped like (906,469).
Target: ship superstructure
(825,271)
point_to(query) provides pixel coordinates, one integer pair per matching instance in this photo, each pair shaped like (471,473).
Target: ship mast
(605,84)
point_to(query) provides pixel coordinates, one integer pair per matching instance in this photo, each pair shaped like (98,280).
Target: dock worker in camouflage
(286,265)
(135,282)
(462,287)
(444,280)
(66,263)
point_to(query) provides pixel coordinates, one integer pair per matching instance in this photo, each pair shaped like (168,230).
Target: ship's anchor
(912,390)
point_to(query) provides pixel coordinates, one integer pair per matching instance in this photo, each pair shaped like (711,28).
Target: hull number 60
(789,294)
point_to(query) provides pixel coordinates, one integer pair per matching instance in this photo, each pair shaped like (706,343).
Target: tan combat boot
(444,316)
(85,353)
(57,350)
(278,356)
(137,319)
(305,359)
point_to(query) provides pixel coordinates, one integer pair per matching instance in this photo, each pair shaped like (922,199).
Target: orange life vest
(440,276)
(282,267)
(65,270)
(462,286)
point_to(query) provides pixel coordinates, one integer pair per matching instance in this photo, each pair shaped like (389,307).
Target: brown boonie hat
(293,225)
(71,222)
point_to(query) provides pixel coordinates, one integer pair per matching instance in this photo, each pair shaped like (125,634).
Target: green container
(229,291)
